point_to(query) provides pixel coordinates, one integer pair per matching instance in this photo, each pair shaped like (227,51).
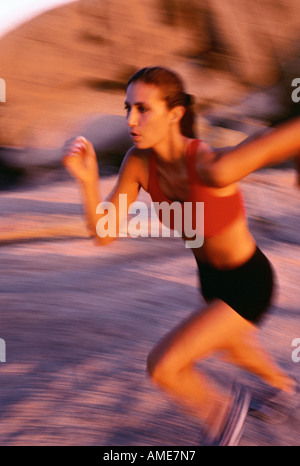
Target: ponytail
(187,123)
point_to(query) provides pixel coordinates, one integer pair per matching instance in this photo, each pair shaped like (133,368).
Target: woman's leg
(171,362)
(247,352)
(218,327)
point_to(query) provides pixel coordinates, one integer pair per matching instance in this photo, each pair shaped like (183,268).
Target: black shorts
(248,288)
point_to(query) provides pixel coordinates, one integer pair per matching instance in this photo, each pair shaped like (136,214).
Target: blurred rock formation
(68,67)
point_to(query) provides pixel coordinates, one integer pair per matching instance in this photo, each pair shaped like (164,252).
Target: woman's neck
(171,149)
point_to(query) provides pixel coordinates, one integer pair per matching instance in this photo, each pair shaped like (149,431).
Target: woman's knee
(160,367)
(153,364)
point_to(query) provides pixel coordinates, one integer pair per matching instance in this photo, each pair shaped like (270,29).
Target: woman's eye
(142,109)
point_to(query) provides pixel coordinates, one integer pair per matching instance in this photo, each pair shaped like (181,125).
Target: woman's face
(147,116)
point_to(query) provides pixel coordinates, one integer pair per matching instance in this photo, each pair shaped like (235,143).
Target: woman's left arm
(275,147)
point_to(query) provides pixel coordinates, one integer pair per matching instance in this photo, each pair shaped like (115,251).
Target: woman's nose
(131,118)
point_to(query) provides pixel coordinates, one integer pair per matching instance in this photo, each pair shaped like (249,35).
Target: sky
(15,12)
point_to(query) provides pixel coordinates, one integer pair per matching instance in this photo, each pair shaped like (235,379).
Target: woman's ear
(177,113)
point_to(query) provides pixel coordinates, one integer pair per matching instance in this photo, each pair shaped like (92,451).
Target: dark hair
(172,90)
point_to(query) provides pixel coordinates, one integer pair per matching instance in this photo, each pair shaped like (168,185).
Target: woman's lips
(135,136)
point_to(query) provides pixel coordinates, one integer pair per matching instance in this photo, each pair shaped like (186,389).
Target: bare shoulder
(136,163)
(137,155)
(207,155)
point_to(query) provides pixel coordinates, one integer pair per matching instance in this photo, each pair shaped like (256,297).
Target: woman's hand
(80,160)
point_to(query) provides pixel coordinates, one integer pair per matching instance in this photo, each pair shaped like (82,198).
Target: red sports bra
(219,211)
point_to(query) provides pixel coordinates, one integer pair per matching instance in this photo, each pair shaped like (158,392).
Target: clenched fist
(80,159)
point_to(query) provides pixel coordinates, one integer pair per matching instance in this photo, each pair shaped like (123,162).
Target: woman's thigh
(217,327)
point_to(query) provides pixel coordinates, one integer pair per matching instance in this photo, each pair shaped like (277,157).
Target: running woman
(236,278)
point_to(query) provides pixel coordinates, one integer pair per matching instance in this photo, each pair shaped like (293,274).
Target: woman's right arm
(81,162)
